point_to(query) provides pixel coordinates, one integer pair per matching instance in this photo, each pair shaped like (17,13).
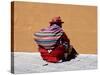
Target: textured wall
(80,24)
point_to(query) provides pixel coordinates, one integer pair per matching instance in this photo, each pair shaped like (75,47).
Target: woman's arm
(65,38)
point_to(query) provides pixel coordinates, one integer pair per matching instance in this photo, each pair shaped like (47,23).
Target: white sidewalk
(33,63)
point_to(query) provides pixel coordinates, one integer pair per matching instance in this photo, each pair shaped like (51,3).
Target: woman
(56,44)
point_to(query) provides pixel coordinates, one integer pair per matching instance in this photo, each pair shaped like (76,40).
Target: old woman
(52,41)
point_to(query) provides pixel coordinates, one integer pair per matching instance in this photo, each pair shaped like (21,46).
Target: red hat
(56,20)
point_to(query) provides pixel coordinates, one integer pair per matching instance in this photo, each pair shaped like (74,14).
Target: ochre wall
(80,24)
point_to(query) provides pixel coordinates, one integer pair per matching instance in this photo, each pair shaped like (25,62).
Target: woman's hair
(57,23)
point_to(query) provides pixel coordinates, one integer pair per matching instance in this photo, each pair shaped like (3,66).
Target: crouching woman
(53,43)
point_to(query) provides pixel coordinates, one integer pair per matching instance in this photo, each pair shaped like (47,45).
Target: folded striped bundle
(48,37)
